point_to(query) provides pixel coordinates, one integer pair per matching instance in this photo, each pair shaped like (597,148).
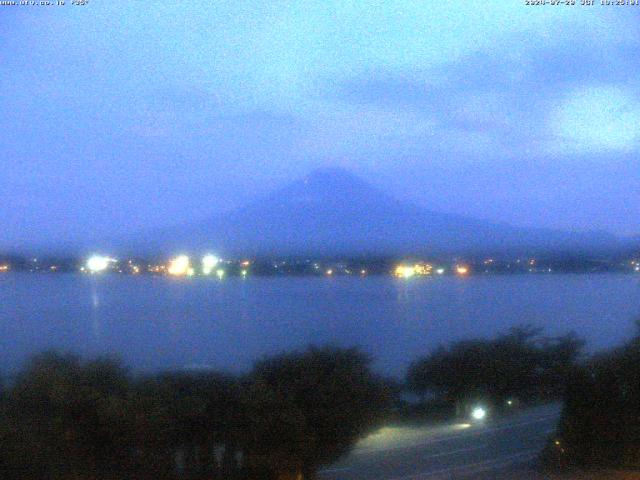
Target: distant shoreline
(410,266)
(312,276)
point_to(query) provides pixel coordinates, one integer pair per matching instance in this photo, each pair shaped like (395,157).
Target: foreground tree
(600,423)
(190,424)
(307,409)
(519,363)
(64,419)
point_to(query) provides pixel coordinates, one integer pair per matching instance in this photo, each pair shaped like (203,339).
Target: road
(455,451)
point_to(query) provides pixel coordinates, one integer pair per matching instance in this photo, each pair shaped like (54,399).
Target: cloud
(519,102)
(234,96)
(597,119)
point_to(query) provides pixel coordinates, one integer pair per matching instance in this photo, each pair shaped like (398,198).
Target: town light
(98,263)
(209,262)
(179,265)
(422,269)
(462,269)
(405,271)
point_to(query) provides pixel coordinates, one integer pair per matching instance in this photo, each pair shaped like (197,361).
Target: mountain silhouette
(332,211)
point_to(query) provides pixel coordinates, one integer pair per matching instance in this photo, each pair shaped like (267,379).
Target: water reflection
(96,324)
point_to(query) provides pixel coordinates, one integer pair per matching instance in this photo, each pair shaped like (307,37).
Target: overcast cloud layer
(120,116)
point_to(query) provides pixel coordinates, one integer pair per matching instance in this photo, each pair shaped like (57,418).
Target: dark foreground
(504,448)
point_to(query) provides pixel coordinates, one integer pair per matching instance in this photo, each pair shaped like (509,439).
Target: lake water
(157,323)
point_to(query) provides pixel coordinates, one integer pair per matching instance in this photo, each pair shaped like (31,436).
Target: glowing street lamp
(98,263)
(179,265)
(478,413)
(209,262)
(405,271)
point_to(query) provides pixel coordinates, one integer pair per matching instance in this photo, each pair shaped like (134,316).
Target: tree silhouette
(69,420)
(64,418)
(320,402)
(600,423)
(517,363)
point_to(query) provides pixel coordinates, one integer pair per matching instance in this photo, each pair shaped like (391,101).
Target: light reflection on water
(157,322)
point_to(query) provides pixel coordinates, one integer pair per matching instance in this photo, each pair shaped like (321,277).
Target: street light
(209,262)
(179,265)
(98,263)
(478,413)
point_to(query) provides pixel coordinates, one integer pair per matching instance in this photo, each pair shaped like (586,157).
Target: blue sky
(119,116)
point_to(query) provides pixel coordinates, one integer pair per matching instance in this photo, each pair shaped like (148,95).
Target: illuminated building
(422,269)
(98,263)
(179,265)
(404,271)
(408,271)
(209,262)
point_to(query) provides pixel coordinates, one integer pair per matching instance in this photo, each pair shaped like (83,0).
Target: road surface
(455,451)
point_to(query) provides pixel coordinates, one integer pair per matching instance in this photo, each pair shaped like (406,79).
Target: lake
(164,323)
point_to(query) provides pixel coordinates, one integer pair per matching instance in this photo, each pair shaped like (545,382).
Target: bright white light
(440,271)
(98,263)
(405,271)
(179,265)
(220,273)
(478,413)
(209,262)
